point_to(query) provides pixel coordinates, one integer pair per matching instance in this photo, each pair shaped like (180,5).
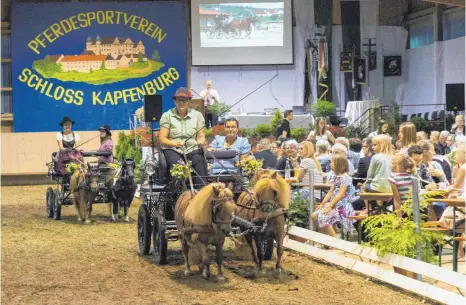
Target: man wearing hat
(106,143)
(67,138)
(182,132)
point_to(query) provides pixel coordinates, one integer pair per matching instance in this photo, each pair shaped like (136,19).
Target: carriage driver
(228,142)
(67,138)
(182,131)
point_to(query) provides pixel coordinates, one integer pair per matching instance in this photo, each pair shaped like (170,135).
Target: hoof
(127,219)
(79,219)
(205,276)
(221,278)
(187,273)
(87,221)
(278,272)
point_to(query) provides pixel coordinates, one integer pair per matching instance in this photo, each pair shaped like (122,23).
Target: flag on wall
(360,70)
(346,62)
(392,66)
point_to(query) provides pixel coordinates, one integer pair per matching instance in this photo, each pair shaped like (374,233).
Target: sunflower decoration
(72,167)
(250,166)
(181,170)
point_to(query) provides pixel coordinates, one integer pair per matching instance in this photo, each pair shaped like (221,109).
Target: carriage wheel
(144,230)
(210,34)
(49,202)
(228,34)
(219,34)
(56,206)
(236,34)
(159,241)
(267,248)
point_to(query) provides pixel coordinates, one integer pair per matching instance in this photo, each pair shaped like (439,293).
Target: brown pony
(84,187)
(203,220)
(265,204)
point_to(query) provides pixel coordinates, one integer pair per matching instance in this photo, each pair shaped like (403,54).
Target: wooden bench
(359,218)
(376,196)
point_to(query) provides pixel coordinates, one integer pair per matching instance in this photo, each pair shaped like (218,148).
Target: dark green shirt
(182,129)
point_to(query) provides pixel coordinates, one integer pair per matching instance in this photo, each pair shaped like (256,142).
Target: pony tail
(319,167)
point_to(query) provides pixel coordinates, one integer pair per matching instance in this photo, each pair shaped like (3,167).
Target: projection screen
(241,32)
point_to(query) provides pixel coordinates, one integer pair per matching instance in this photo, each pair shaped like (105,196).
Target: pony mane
(199,211)
(277,184)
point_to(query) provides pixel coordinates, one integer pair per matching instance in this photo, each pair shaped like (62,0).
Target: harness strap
(271,215)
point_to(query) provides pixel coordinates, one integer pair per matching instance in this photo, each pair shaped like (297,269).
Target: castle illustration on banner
(104,61)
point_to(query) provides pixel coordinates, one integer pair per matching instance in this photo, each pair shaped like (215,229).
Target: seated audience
(458,128)
(407,136)
(322,154)
(451,142)
(340,148)
(382,128)
(421,135)
(400,179)
(364,162)
(353,157)
(380,166)
(290,157)
(320,132)
(269,160)
(441,145)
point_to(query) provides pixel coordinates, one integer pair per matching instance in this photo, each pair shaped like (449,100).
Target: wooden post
(417,217)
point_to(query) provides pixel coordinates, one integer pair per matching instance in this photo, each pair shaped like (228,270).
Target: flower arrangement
(72,167)
(250,166)
(181,170)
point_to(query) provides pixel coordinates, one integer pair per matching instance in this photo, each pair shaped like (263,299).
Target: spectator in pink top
(106,143)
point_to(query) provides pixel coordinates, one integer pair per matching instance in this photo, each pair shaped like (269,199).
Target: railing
(363,119)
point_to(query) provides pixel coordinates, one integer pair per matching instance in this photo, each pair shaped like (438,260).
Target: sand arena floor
(65,262)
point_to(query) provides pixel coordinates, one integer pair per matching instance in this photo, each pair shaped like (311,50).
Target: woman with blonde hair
(435,137)
(308,163)
(458,127)
(421,136)
(407,136)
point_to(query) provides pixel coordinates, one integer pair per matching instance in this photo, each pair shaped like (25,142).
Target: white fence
(432,292)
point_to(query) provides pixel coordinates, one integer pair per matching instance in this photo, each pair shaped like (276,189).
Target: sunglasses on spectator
(182,100)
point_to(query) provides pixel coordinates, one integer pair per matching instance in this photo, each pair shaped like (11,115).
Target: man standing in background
(284,130)
(210,96)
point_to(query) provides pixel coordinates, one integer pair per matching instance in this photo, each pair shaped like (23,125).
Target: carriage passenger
(106,143)
(229,142)
(67,138)
(182,131)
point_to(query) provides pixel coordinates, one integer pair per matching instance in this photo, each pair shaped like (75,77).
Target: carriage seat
(220,155)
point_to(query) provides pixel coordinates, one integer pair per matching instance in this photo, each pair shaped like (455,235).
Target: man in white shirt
(209,95)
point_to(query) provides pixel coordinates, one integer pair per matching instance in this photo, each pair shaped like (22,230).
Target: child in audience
(380,166)
(336,206)
(400,179)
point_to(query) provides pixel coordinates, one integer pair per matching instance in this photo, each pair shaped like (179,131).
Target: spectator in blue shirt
(228,142)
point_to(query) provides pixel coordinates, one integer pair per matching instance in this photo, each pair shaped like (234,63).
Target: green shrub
(264,130)
(297,133)
(420,123)
(218,108)
(354,132)
(389,233)
(323,108)
(299,212)
(276,120)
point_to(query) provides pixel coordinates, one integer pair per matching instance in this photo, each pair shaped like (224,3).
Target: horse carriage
(228,27)
(99,182)
(163,199)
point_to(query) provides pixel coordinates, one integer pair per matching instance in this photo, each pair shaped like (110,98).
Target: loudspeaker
(454,97)
(152,108)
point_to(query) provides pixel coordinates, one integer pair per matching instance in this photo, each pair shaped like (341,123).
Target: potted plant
(389,233)
(298,214)
(264,130)
(217,108)
(323,108)
(299,134)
